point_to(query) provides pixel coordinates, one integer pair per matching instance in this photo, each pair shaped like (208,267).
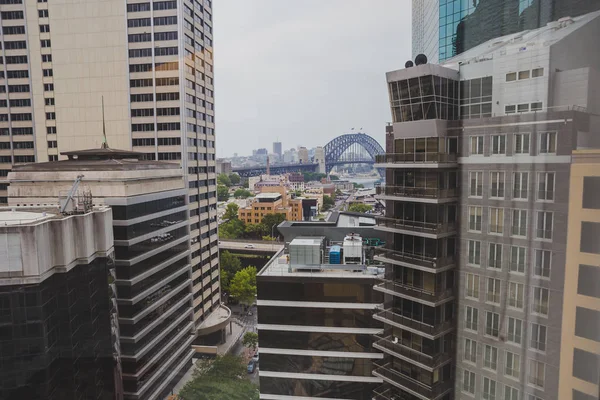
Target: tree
(358,185)
(234,179)
(243,285)
(232,229)
(230,265)
(313,176)
(338,192)
(250,340)
(334,178)
(328,202)
(231,211)
(359,208)
(246,184)
(242,193)
(221,378)
(254,231)
(222,193)
(269,220)
(223,179)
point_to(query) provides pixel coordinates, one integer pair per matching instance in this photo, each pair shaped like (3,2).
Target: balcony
(432,329)
(434,230)
(408,160)
(431,298)
(422,194)
(412,259)
(388,373)
(387,345)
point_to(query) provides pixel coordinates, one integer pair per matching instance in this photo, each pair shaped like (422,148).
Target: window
(537,72)
(476,145)
(471,318)
(536,106)
(498,144)
(43,13)
(165,5)
(512,365)
(490,357)
(475,218)
(165,36)
(548,143)
(52,144)
(577,395)
(158,21)
(19,44)
(542,263)
(138,22)
(492,323)
(138,7)
(519,223)
(523,75)
(587,323)
(45,43)
(489,389)
(590,237)
(167,96)
(588,283)
(49,101)
(143,142)
(167,81)
(142,127)
(497,179)
(167,111)
(46,57)
(50,130)
(518,255)
(140,82)
(47,72)
(23,145)
(139,37)
(538,337)
(135,53)
(516,295)
(495,255)
(470,351)
(472,286)
(492,294)
(44,28)
(12,15)
(544,224)
(50,115)
(537,373)
(17,74)
(546,186)
(520,185)
(476,183)
(142,112)
(511,393)
(18,88)
(20,117)
(16,59)
(468,382)
(523,107)
(515,330)
(13,30)
(474,252)
(510,109)
(136,98)
(591,192)
(174,141)
(20,103)
(496,220)
(165,51)
(48,87)
(511,76)
(521,143)
(540,300)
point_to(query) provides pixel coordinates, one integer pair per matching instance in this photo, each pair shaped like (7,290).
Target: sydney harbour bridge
(350,148)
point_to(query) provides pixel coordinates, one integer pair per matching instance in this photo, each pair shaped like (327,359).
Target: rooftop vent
(408,64)
(421,59)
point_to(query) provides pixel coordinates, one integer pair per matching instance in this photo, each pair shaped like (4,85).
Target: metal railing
(401,158)
(387,343)
(418,226)
(414,292)
(429,327)
(417,259)
(387,370)
(418,192)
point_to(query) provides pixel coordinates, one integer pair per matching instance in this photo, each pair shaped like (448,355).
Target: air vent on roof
(408,64)
(421,59)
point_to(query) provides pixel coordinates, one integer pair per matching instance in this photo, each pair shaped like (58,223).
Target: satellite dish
(408,64)
(421,59)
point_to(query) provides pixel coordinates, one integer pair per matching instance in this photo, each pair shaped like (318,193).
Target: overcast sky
(303,72)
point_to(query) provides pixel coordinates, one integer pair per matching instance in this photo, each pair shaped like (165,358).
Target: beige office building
(152,63)
(580,341)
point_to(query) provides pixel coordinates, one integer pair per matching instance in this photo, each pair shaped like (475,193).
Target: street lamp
(272,237)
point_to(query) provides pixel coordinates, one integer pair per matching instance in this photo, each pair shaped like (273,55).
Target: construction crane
(70,195)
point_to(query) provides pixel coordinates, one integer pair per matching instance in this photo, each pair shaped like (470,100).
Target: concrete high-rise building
(59,329)
(151,61)
(303,155)
(495,132)
(154,277)
(442,29)
(277,148)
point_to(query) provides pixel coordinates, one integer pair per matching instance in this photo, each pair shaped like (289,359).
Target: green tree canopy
(218,379)
(313,176)
(268,221)
(222,193)
(334,177)
(250,340)
(360,208)
(234,179)
(328,202)
(232,229)
(223,179)
(243,285)
(242,193)
(231,211)
(246,184)
(230,265)
(358,185)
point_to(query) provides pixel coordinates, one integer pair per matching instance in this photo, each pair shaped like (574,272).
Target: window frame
(474,320)
(478,143)
(546,191)
(501,139)
(538,309)
(492,363)
(493,291)
(478,184)
(472,247)
(514,369)
(552,138)
(535,344)
(516,290)
(521,253)
(497,215)
(472,286)
(521,150)
(541,267)
(547,232)
(477,215)
(520,190)
(494,329)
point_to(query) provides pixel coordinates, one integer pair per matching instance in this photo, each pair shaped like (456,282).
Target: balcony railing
(416,259)
(392,316)
(417,192)
(414,292)
(401,158)
(417,226)
(387,345)
(387,371)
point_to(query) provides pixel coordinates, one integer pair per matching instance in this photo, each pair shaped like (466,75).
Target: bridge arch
(336,148)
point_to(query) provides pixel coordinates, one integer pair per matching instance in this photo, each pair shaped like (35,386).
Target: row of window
(16,117)
(136,98)
(521,144)
(525,74)
(16,131)
(16,103)
(160,126)
(523,108)
(543,227)
(16,145)
(161,141)
(158,51)
(157,5)
(517,262)
(147,37)
(148,112)
(536,372)
(167,66)
(545,189)
(149,82)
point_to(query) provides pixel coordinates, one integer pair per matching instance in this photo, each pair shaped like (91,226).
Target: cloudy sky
(304,71)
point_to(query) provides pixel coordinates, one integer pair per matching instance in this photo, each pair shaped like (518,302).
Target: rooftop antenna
(104,141)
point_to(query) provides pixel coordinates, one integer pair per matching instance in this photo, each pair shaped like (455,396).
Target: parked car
(249,246)
(251,366)
(255,357)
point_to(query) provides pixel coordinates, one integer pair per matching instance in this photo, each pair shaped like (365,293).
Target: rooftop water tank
(353,245)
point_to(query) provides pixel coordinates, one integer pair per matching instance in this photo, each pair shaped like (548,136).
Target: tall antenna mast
(104,141)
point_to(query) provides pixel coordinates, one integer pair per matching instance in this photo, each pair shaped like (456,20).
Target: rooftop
(10,217)
(268,196)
